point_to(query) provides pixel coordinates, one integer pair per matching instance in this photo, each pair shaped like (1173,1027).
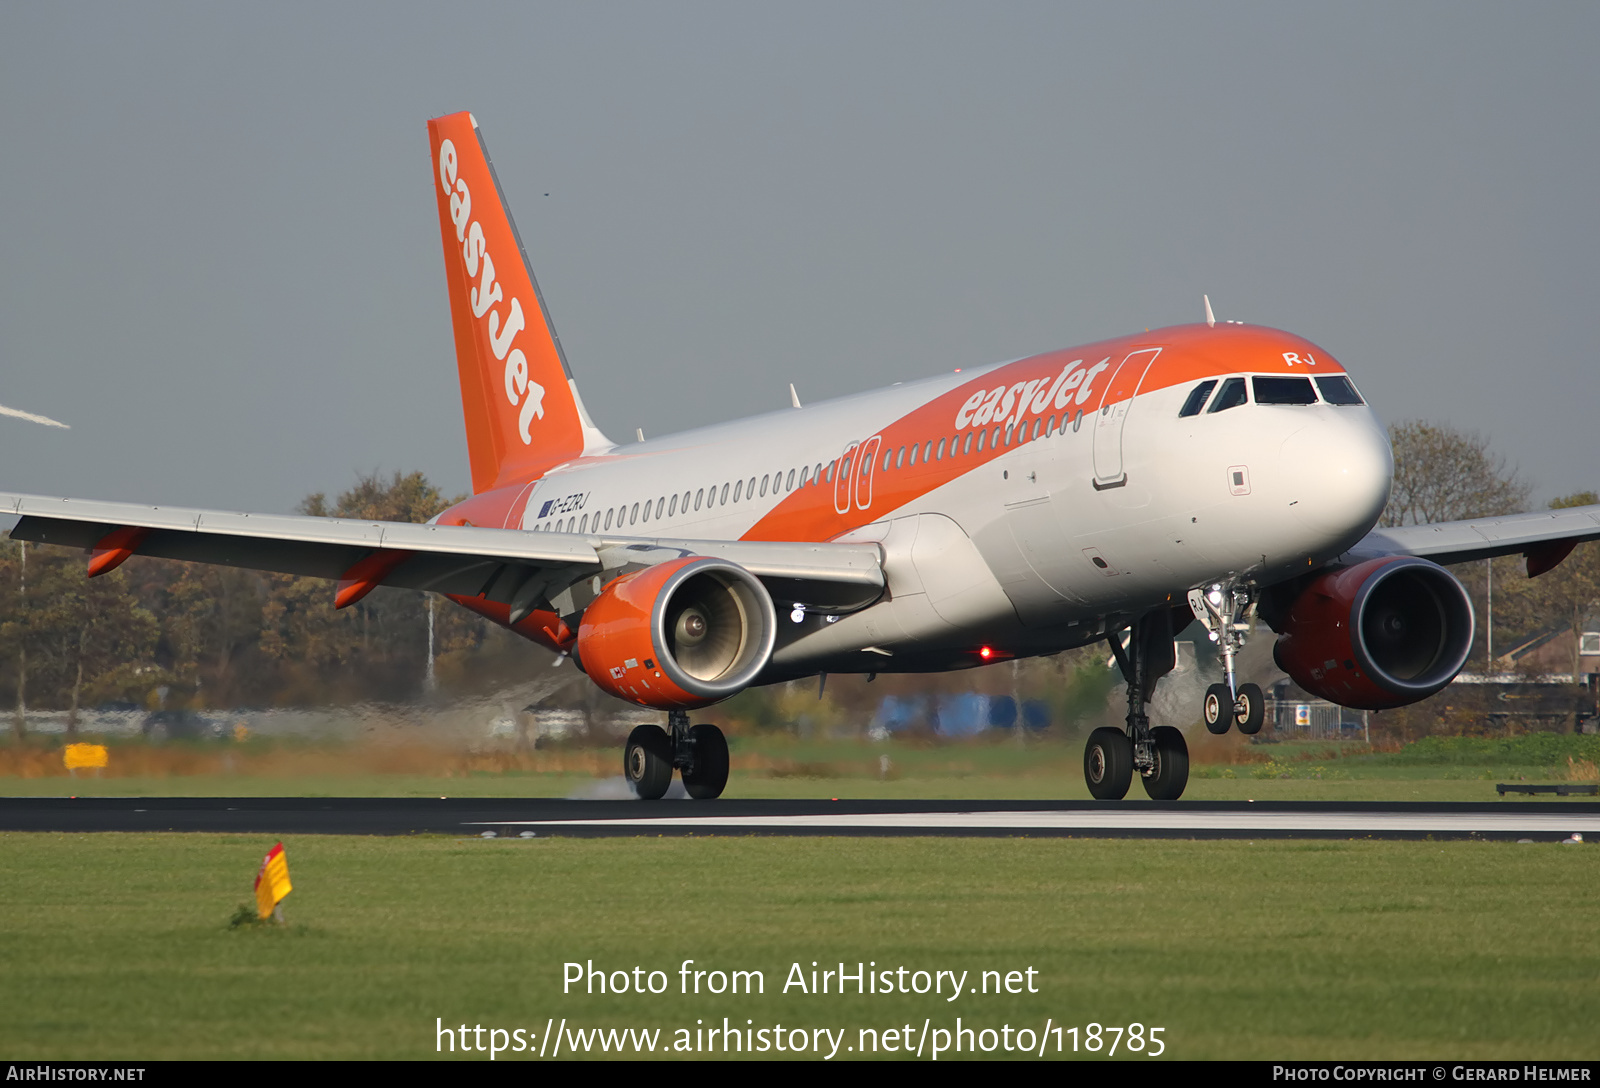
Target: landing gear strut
(1225,611)
(698,752)
(1159,755)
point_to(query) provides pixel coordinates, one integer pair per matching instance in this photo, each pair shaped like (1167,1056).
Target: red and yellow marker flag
(272,882)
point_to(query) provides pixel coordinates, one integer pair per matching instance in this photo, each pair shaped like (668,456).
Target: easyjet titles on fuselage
(1072,386)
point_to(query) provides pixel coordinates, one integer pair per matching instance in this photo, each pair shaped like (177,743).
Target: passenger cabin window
(1336,389)
(1232,396)
(1197,399)
(1284,390)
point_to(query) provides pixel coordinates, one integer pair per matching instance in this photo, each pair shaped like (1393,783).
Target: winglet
(794,398)
(1211,318)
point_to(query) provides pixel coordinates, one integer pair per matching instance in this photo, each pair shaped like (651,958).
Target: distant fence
(957,715)
(1314,719)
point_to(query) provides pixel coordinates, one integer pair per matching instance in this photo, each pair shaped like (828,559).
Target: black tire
(1172,765)
(1217,709)
(707,774)
(647,761)
(1108,764)
(1252,710)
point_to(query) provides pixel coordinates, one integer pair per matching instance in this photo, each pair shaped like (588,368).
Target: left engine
(681,634)
(1376,635)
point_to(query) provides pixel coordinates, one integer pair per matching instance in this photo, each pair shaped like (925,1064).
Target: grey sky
(221,260)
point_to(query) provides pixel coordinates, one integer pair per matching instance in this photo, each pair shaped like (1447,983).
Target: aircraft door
(843,477)
(1109,421)
(868,456)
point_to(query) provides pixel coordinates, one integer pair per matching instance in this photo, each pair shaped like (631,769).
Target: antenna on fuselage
(794,398)
(1211,318)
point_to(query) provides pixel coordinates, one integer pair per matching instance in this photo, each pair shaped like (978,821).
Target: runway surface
(1541,821)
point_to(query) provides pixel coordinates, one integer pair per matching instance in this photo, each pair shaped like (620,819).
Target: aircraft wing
(457,559)
(1544,537)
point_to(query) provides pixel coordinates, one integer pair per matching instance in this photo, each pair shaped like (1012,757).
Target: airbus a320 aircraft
(1109,492)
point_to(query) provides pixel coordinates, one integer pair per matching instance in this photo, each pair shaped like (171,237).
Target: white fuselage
(1118,506)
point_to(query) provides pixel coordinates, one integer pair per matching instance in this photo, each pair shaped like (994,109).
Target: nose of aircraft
(1338,469)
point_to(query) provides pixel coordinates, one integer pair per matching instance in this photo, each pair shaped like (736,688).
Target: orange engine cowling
(684,633)
(1380,634)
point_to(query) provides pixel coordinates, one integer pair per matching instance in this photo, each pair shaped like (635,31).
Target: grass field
(118,946)
(780,766)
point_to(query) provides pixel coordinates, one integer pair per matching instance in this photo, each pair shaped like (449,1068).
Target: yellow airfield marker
(91,756)
(272,883)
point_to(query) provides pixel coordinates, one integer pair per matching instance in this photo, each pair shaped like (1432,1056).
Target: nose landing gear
(1223,708)
(1224,610)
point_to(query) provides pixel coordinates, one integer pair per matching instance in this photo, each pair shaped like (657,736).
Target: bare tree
(1445,474)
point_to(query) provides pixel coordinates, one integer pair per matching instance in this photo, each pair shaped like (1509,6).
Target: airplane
(1111,492)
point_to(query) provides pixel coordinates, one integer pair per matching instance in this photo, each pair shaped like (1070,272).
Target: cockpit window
(1336,389)
(1197,399)
(1232,396)
(1284,391)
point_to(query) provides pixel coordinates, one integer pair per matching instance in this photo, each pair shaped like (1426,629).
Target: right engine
(681,634)
(1376,635)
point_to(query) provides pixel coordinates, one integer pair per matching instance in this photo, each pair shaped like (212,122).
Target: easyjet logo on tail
(486,296)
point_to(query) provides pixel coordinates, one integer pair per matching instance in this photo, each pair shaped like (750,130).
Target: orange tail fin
(522,409)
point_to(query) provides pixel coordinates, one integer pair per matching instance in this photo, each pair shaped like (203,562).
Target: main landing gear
(1224,610)
(699,752)
(1159,754)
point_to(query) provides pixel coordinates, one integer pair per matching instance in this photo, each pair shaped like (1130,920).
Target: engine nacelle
(685,633)
(1380,634)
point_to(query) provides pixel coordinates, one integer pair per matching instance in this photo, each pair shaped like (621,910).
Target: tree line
(163,633)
